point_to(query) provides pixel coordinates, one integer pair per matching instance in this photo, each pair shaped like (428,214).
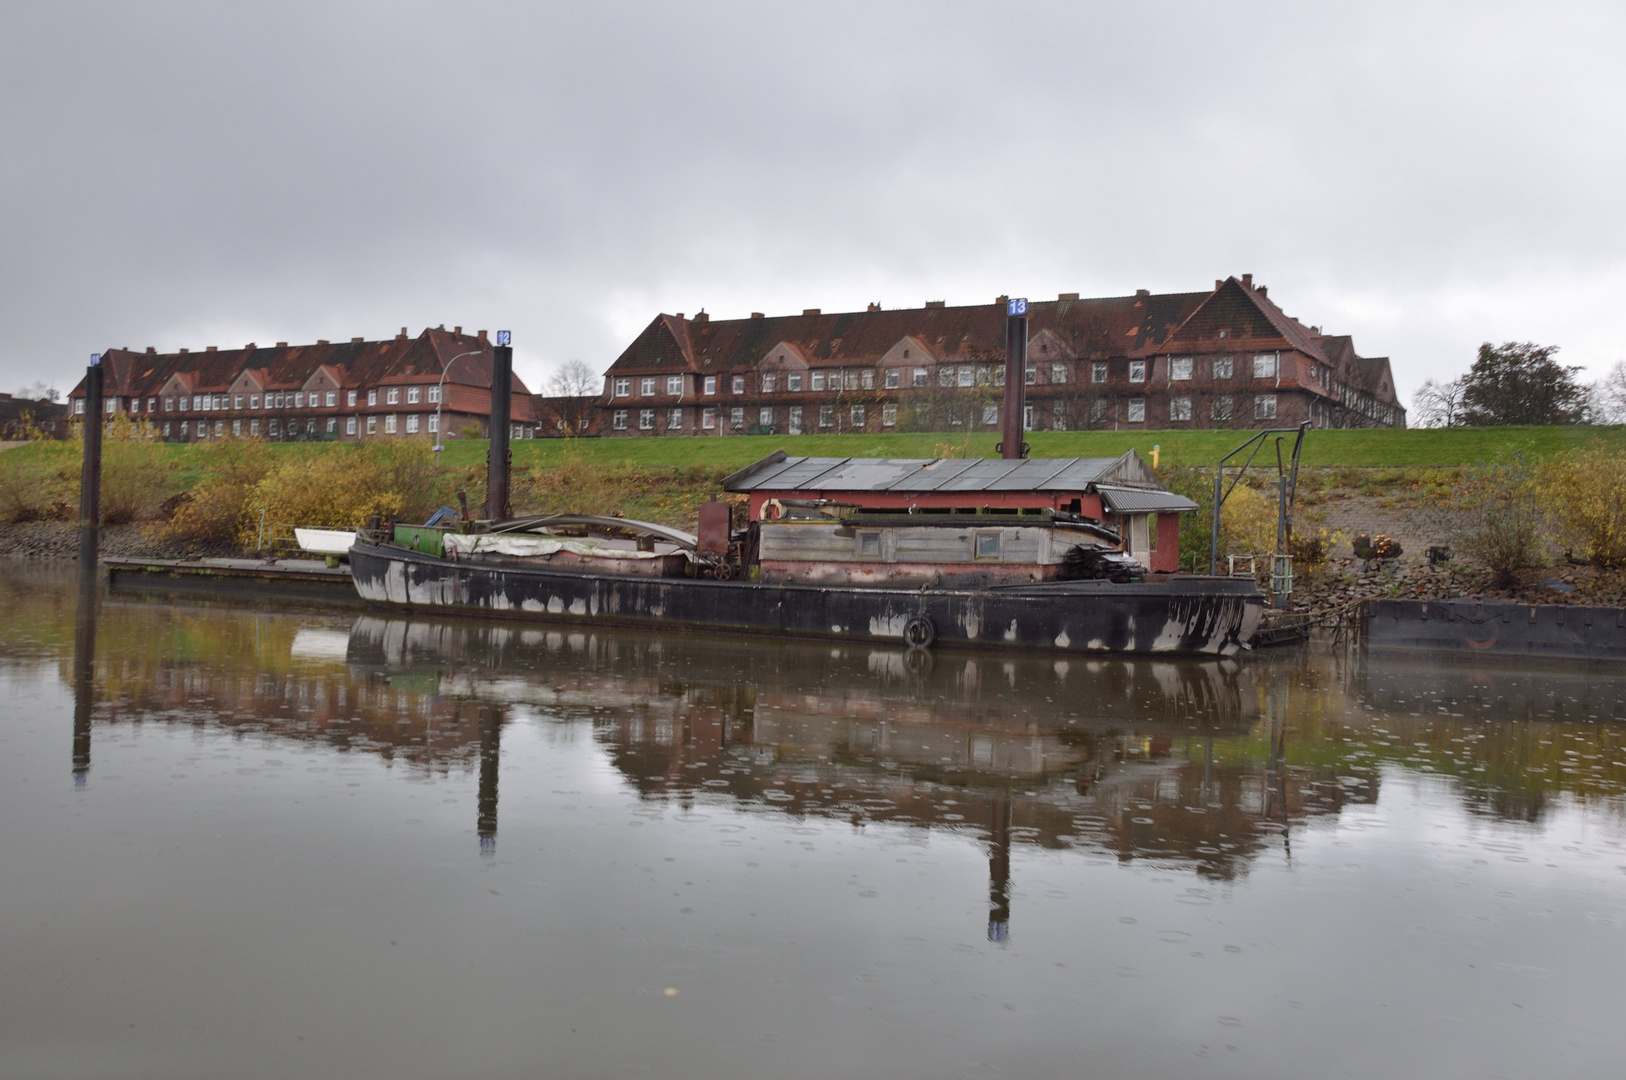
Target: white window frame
(1058,373)
(1098,371)
(793,423)
(412,395)
(990,413)
(767,382)
(412,424)
(618,420)
(765,416)
(389,423)
(646,386)
(710,385)
(818,380)
(1136,413)
(674,419)
(646,419)
(736,418)
(739,384)
(889,415)
(1264,406)
(1180,368)
(1223,367)
(1179,408)
(858,416)
(621,388)
(827,416)
(894,379)
(1266,366)
(349,425)
(708,419)
(674,385)
(919,377)
(1137,371)
(793,382)
(433,396)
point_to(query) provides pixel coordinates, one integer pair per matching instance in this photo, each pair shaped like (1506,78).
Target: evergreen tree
(1520,383)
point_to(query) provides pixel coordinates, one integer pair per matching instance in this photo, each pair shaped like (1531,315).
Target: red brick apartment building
(351,390)
(1225,358)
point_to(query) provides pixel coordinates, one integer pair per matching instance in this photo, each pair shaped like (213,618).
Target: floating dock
(289,580)
(1496,628)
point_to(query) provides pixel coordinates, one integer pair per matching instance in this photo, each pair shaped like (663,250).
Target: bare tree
(1438,404)
(1609,396)
(574,390)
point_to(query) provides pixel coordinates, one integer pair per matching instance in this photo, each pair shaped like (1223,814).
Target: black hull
(1214,616)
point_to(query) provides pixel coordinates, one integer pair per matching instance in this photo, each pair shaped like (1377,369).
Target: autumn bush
(216,509)
(1494,517)
(1584,494)
(342,485)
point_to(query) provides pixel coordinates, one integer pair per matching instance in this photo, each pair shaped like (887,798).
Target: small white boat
(326,541)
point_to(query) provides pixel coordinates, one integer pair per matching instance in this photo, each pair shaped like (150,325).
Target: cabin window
(869,545)
(988,545)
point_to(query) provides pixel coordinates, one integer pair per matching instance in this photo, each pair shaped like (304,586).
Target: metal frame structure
(1287,480)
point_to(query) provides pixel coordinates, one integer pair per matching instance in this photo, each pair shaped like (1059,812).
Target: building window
(866,379)
(869,545)
(945,376)
(966,376)
(1224,367)
(236,427)
(988,545)
(623,388)
(169,404)
(674,420)
(765,416)
(990,413)
(330,399)
(274,427)
(708,419)
(1180,408)
(350,425)
(1058,373)
(1098,371)
(389,424)
(674,385)
(646,387)
(350,397)
(739,384)
(299,399)
(1137,371)
(1223,407)
(1058,416)
(183,426)
(1027,418)
(1264,367)
(827,416)
(858,414)
(152,404)
(412,395)
(889,416)
(618,422)
(433,396)
(372,425)
(711,384)
(112,405)
(736,419)
(433,424)
(310,427)
(893,381)
(918,377)
(795,424)
(793,381)
(237,401)
(412,424)
(372,397)
(1137,410)
(767,383)
(392,396)
(332,424)
(1180,368)
(1264,407)
(646,419)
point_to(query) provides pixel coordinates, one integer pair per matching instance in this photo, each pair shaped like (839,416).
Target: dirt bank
(60,540)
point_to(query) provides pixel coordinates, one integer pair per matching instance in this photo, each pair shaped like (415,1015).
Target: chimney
(402,335)
(183,352)
(480,336)
(211,348)
(936,303)
(1261,291)
(151,351)
(810,311)
(1067,296)
(249,347)
(679,315)
(457,331)
(1217,284)
(322,341)
(356,340)
(1247,281)
(1143,292)
(701,316)
(756,314)
(282,344)
(873,307)
(1002,300)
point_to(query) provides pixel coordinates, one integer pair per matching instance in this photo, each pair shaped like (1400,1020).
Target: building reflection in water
(1201,766)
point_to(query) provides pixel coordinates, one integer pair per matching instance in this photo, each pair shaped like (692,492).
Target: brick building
(1225,358)
(397,388)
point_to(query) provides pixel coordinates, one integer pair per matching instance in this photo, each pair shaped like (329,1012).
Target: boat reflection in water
(1113,755)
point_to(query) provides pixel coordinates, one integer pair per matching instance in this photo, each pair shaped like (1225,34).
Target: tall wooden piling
(497,457)
(90,473)
(1016,380)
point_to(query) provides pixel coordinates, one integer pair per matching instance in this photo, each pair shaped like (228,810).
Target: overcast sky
(1424,177)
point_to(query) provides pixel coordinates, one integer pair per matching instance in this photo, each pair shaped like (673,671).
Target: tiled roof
(920,475)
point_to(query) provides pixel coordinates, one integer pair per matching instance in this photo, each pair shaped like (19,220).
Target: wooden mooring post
(90,472)
(498,460)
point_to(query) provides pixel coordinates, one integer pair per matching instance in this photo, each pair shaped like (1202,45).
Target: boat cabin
(923,511)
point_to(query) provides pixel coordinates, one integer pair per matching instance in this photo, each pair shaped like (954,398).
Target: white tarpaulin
(521,544)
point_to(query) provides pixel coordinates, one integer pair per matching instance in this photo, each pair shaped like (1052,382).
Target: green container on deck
(424,538)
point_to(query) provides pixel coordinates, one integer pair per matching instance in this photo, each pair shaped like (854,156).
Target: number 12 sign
(1017,305)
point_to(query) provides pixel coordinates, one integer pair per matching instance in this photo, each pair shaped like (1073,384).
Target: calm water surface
(291,844)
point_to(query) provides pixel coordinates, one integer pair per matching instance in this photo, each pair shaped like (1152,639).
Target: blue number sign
(1016,305)
(95,358)
(504,337)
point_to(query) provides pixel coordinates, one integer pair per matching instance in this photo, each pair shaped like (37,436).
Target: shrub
(1492,513)
(38,485)
(216,510)
(137,473)
(341,486)
(1585,497)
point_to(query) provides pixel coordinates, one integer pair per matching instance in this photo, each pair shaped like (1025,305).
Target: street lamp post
(440,399)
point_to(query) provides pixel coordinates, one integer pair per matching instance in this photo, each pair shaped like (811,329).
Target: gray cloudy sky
(1422,176)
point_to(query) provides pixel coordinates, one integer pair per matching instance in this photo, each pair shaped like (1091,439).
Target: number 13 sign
(1016,306)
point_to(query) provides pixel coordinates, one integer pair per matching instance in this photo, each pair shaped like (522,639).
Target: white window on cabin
(987,545)
(869,545)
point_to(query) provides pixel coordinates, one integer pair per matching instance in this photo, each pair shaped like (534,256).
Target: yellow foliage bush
(1584,494)
(1248,522)
(341,486)
(216,510)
